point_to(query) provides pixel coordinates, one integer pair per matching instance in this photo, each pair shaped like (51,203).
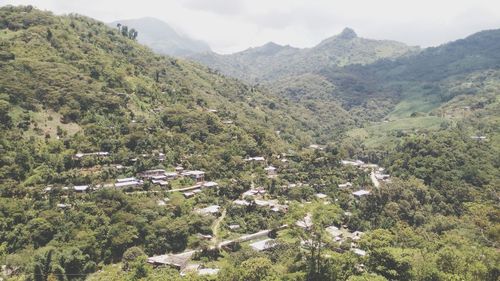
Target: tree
(124,30)
(41,231)
(132,34)
(131,255)
(5,119)
(43,265)
(253,269)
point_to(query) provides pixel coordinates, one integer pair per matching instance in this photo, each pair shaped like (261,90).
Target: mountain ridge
(258,64)
(162,38)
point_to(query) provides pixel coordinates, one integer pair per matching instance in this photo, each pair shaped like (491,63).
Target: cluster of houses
(270,170)
(158,177)
(377,175)
(255,196)
(339,235)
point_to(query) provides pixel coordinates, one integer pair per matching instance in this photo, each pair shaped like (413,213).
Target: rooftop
(263,244)
(213,209)
(361,192)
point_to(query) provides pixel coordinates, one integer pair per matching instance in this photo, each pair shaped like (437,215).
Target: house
(263,245)
(382,176)
(198,176)
(273,205)
(191,193)
(345,185)
(253,192)
(478,138)
(161,157)
(271,171)
(306,222)
(256,159)
(128,182)
(162,183)
(158,177)
(179,169)
(170,175)
(234,226)
(317,146)
(81,188)
(335,232)
(321,195)
(177,261)
(126,179)
(361,193)
(151,173)
(369,166)
(188,194)
(356,235)
(99,154)
(205,236)
(209,184)
(359,252)
(210,210)
(356,163)
(241,202)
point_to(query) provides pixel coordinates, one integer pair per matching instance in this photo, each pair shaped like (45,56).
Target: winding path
(216,226)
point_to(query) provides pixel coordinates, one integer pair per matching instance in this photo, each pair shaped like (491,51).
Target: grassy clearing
(44,122)
(415,102)
(385,133)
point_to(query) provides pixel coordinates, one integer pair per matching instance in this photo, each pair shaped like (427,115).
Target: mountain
(162,38)
(272,61)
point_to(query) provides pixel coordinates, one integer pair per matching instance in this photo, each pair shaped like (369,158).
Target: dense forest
(117,163)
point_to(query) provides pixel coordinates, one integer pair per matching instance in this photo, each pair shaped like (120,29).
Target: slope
(75,85)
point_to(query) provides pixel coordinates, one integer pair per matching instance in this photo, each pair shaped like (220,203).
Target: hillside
(72,78)
(162,38)
(272,61)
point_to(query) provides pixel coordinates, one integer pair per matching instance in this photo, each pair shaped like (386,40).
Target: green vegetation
(70,85)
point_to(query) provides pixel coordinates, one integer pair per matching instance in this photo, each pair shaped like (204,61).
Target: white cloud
(234,25)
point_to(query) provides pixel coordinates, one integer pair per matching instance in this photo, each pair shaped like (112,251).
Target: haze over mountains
(162,38)
(273,61)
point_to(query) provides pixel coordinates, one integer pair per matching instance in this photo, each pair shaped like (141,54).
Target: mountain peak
(271,44)
(348,33)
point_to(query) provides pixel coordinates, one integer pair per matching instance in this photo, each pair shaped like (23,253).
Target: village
(255,198)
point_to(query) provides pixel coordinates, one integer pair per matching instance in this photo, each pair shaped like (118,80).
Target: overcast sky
(233,25)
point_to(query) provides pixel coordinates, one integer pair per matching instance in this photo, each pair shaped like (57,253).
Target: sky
(234,25)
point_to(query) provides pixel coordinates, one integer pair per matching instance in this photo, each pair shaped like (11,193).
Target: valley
(356,159)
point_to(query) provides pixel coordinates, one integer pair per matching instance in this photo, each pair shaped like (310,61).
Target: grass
(417,101)
(46,121)
(384,133)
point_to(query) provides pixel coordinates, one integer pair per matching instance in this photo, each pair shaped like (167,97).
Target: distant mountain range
(162,38)
(272,61)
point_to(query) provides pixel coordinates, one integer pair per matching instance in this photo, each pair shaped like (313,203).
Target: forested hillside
(117,163)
